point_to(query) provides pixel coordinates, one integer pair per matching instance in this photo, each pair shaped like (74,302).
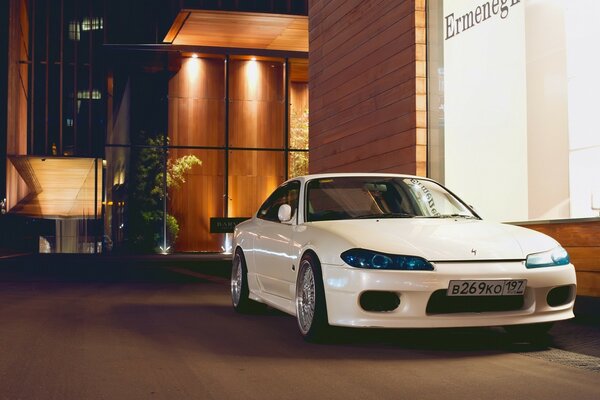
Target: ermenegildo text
(483,12)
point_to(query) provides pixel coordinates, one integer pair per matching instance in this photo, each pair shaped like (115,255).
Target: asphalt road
(84,328)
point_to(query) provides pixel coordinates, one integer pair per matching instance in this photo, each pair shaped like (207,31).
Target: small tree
(147,196)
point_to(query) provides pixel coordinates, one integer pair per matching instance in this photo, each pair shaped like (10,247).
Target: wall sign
(225,225)
(455,25)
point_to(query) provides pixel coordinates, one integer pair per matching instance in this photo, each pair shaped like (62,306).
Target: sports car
(395,251)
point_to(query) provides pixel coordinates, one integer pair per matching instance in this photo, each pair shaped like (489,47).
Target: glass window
(196,194)
(116,174)
(253,175)
(197,103)
(297,163)
(286,194)
(380,197)
(512,105)
(145,217)
(257,107)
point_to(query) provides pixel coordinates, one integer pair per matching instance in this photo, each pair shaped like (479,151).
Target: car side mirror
(284,213)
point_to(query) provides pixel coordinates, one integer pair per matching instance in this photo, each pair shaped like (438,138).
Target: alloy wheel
(305,298)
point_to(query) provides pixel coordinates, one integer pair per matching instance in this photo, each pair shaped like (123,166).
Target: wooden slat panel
(367,126)
(588,284)
(199,78)
(366,145)
(196,118)
(16,97)
(243,30)
(382,60)
(299,70)
(59,187)
(357,95)
(253,175)
(196,122)
(256,124)
(176,27)
(571,233)
(585,258)
(256,80)
(386,106)
(580,239)
(298,96)
(391,74)
(365,61)
(256,109)
(196,103)
(298,137)
(374,28)
(199,199)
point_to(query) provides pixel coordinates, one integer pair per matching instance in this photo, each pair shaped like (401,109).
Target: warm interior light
(253,59)
(252,77)
(194,55)
(192,70)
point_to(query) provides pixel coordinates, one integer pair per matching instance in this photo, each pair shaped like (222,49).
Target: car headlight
(550,258)
(361,258)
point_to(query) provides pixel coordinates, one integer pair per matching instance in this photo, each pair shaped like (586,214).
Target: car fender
(326,245)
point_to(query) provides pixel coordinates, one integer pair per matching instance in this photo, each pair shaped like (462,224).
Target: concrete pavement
(84,328)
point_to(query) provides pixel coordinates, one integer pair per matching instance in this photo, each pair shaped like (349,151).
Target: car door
(272,246)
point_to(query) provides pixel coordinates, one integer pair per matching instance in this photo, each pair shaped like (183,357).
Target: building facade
(162,130)
(176,119)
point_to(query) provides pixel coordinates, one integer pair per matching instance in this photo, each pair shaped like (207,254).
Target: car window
(380,197)
(286,194)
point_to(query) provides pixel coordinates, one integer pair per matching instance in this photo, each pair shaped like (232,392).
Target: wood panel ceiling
(58,187)
(239,30)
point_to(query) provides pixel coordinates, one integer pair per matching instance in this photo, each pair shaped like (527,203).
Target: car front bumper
(344,286)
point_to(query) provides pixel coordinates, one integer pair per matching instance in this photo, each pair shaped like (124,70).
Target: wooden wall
(298,97)
(253,175)
(197,118)
(256,119)
(581,240)
(367,86)
(197,103)
(298,137)
(17,97)
(256,107)
(199,199)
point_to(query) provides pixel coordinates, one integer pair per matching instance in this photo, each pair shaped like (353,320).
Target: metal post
(46,147)
(90,76)
(226,183)
(32,83)
(102,205)
(165,157)
(286,117)
(95,205)
(61,78)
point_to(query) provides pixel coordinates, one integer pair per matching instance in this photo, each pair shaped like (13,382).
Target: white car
(395,251)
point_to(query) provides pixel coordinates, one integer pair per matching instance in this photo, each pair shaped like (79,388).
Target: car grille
(440,303)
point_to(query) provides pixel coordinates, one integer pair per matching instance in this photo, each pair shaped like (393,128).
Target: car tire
(239,283)
(311,307)
(533,333)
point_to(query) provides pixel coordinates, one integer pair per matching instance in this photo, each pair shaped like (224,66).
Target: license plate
(510,287)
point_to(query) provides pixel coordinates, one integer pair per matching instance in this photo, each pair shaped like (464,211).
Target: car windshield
(380,197)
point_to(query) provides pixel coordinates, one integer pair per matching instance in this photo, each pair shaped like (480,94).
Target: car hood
(441,239)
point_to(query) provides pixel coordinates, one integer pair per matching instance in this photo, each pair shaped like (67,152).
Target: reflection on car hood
(441,239)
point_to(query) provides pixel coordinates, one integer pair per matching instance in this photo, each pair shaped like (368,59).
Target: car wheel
(311,309)
(239,283)
(533,333)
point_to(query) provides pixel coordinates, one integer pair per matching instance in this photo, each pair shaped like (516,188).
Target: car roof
(305,178)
